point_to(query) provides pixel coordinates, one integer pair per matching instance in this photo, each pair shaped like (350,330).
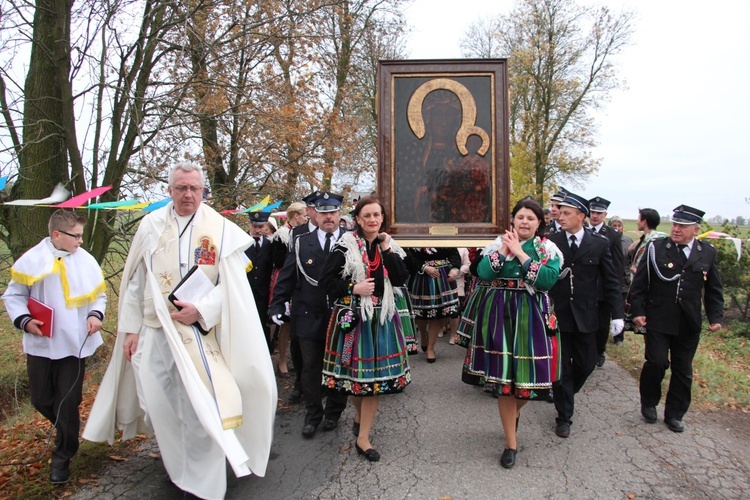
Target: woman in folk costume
(366,353)
(434,293)
(477,292)
(513,351)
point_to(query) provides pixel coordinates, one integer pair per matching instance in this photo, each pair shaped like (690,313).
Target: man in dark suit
(296,232)
(587,261)
(311,311)
(554,208)
(665,298)
(259,276)
(597,225)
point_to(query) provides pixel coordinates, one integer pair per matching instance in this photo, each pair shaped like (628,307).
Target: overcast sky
(679,132)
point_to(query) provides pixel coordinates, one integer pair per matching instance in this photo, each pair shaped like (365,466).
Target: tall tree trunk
(43,160)
(205,106)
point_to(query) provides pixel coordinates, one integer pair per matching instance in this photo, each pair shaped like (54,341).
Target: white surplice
(165,389)
(70,283)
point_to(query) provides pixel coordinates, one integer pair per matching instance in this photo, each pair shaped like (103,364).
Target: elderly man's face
(683,233)
(186,192)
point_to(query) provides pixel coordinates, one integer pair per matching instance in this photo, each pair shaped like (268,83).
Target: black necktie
(573,244)
(680,250)
(257,240)
(327,247)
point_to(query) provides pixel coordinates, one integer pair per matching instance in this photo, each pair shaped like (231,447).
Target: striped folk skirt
(434,297)
(513,346)
(372,358)
(406,315)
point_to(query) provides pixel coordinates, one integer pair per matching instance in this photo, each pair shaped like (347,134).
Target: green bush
(735,274)
(740,328)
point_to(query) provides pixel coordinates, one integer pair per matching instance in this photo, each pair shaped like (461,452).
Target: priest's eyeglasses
(184,189)
(74,236)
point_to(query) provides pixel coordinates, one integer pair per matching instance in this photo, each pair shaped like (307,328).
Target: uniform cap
(687,215)
(328,202)
(311,198)
(575,201)
(598,204)
(258,218)
(559,195)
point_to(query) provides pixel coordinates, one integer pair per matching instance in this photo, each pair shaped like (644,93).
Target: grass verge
(721,375)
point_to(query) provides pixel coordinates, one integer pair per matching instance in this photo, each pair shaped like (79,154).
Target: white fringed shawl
(282,235)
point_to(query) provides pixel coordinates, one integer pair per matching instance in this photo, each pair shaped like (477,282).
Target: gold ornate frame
(443,151)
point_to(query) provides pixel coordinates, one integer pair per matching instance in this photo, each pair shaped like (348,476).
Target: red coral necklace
(373,265)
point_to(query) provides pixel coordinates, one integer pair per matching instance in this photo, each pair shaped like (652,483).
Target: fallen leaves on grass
(28,446)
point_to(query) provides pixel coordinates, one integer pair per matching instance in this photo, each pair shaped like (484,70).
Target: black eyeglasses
(74,236)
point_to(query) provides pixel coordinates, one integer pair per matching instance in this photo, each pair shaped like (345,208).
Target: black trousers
(312,386)
(56,390)
(296,354)
(578,360)
(660,350)
(602,334)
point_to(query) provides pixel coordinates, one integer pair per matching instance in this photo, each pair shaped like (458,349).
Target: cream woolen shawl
(243,347)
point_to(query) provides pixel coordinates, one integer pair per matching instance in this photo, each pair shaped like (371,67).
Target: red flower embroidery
(506,389)
(552,321)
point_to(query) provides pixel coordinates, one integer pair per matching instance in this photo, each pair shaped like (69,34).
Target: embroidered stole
(205,238)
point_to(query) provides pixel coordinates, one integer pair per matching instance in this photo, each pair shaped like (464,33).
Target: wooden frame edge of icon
(445,234)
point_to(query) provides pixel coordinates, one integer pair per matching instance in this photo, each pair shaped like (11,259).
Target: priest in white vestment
(207,396)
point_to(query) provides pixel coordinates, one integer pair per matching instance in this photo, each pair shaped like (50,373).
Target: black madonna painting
(443,148)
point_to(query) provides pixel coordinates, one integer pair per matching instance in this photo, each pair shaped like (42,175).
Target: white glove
(277,319)
(617,327)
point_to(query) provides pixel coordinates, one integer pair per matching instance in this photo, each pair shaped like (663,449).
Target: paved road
(443,439)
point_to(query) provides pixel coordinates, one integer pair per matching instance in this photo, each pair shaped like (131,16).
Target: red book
(44,313)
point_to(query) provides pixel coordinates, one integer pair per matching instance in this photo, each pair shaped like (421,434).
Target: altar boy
(69,282)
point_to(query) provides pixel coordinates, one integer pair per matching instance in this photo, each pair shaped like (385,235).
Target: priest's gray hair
(185,167)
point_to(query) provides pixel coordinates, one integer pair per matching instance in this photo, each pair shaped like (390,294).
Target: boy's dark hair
(64,220)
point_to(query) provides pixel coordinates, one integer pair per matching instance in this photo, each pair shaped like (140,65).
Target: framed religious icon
(443,150)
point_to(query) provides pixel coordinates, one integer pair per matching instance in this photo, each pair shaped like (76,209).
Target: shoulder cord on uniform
(652,260)
(299,264)
(677,278)
(565,272)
